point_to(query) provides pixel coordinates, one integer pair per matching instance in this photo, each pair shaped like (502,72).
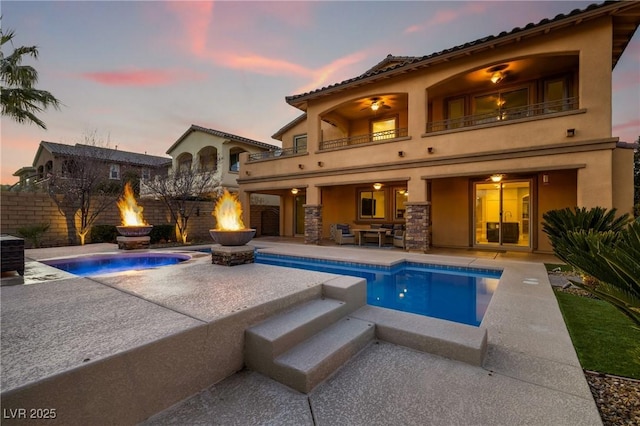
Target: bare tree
(180,188)
(81,187)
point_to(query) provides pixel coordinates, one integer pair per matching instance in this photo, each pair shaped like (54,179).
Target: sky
(137,74)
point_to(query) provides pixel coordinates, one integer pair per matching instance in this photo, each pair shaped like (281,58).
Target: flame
(228,213)
(130,211)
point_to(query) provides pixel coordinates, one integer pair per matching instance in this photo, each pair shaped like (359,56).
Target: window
(384,128)
(371,204)
(555,95)
(455,113)
(114,171)
(501,106)
(234,160)
(401,195)
(184,162)
(208,159)
(299,144)
(146,174)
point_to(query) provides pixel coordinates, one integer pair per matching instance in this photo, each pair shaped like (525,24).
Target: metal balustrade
(505,114)
(366,138)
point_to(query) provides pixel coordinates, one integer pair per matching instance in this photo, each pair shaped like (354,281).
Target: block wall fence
(20,209)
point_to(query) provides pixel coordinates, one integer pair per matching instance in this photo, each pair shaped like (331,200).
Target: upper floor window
(501,105)
(300,144)
(384,128)
(208,159)
(184,162)
(114,171)
(234,160)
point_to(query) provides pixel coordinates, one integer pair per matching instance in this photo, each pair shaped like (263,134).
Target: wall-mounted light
(496,178)
(571,133)
(400,153)
(294,191)
(545,178)
(377,186)
(430,150)
(320,164)
(247,172)
(301,166)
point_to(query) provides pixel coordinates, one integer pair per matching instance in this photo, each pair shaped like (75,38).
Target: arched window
(208,159)
(184,162)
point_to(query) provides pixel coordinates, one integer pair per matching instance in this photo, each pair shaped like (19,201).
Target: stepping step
(312,361)
(265,341)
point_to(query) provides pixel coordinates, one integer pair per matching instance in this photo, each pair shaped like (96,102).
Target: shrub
(557,223)
(103,234)
(616,266)
(33,233)
(162,233)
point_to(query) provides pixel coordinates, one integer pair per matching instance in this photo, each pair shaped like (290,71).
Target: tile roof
(299,119)
(108,154)
(628,17)
(224,135)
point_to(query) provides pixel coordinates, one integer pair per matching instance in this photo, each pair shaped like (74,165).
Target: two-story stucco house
(52,157)
(212,150)
(467,147)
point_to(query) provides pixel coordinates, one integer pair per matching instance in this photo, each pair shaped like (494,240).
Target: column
(417,237)
(312,223)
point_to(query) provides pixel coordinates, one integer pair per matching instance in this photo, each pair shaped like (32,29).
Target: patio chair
(398,239)
(344,235)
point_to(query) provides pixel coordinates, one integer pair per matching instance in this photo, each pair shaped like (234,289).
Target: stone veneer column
(418,216)
(312,223)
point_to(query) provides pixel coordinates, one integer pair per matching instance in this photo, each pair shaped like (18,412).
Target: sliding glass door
(501,215)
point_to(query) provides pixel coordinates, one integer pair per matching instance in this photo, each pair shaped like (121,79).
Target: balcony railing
(280,152)
(360,139)
(505,114)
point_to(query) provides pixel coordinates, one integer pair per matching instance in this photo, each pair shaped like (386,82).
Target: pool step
(303,346)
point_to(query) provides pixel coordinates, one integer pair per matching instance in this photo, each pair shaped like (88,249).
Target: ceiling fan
(376,104)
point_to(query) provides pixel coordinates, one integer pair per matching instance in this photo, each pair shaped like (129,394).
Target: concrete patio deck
(147,347)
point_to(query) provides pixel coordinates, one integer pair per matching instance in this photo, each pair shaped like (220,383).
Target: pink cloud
(445,16)
(140,78)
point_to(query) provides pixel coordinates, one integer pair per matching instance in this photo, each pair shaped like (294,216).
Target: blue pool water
(110,263)
(455,294)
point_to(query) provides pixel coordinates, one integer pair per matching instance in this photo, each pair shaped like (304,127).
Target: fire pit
(134,230)
(230,233)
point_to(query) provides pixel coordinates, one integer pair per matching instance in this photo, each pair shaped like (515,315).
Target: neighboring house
(467,147)
(54,158)
(211,150)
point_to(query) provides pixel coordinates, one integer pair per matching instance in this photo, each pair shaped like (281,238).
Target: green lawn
(605,340)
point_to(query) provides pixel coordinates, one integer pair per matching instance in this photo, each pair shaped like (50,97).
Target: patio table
(382,232)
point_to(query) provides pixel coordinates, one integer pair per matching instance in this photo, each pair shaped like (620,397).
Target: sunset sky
(138,74)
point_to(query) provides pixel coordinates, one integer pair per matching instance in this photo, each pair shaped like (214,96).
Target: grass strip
(605,340)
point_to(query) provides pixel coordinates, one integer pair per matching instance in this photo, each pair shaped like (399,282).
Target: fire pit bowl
(134,231)
(232,238)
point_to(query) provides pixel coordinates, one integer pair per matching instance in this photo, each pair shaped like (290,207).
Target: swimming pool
(118,262)
(451,293)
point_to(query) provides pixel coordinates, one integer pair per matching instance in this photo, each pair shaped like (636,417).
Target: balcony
(362,139)
(501,115)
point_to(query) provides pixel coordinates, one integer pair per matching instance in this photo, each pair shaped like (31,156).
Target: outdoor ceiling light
(377,186)
(375,106)
(496,178)
(498,73)
(497,77)
(294,191)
